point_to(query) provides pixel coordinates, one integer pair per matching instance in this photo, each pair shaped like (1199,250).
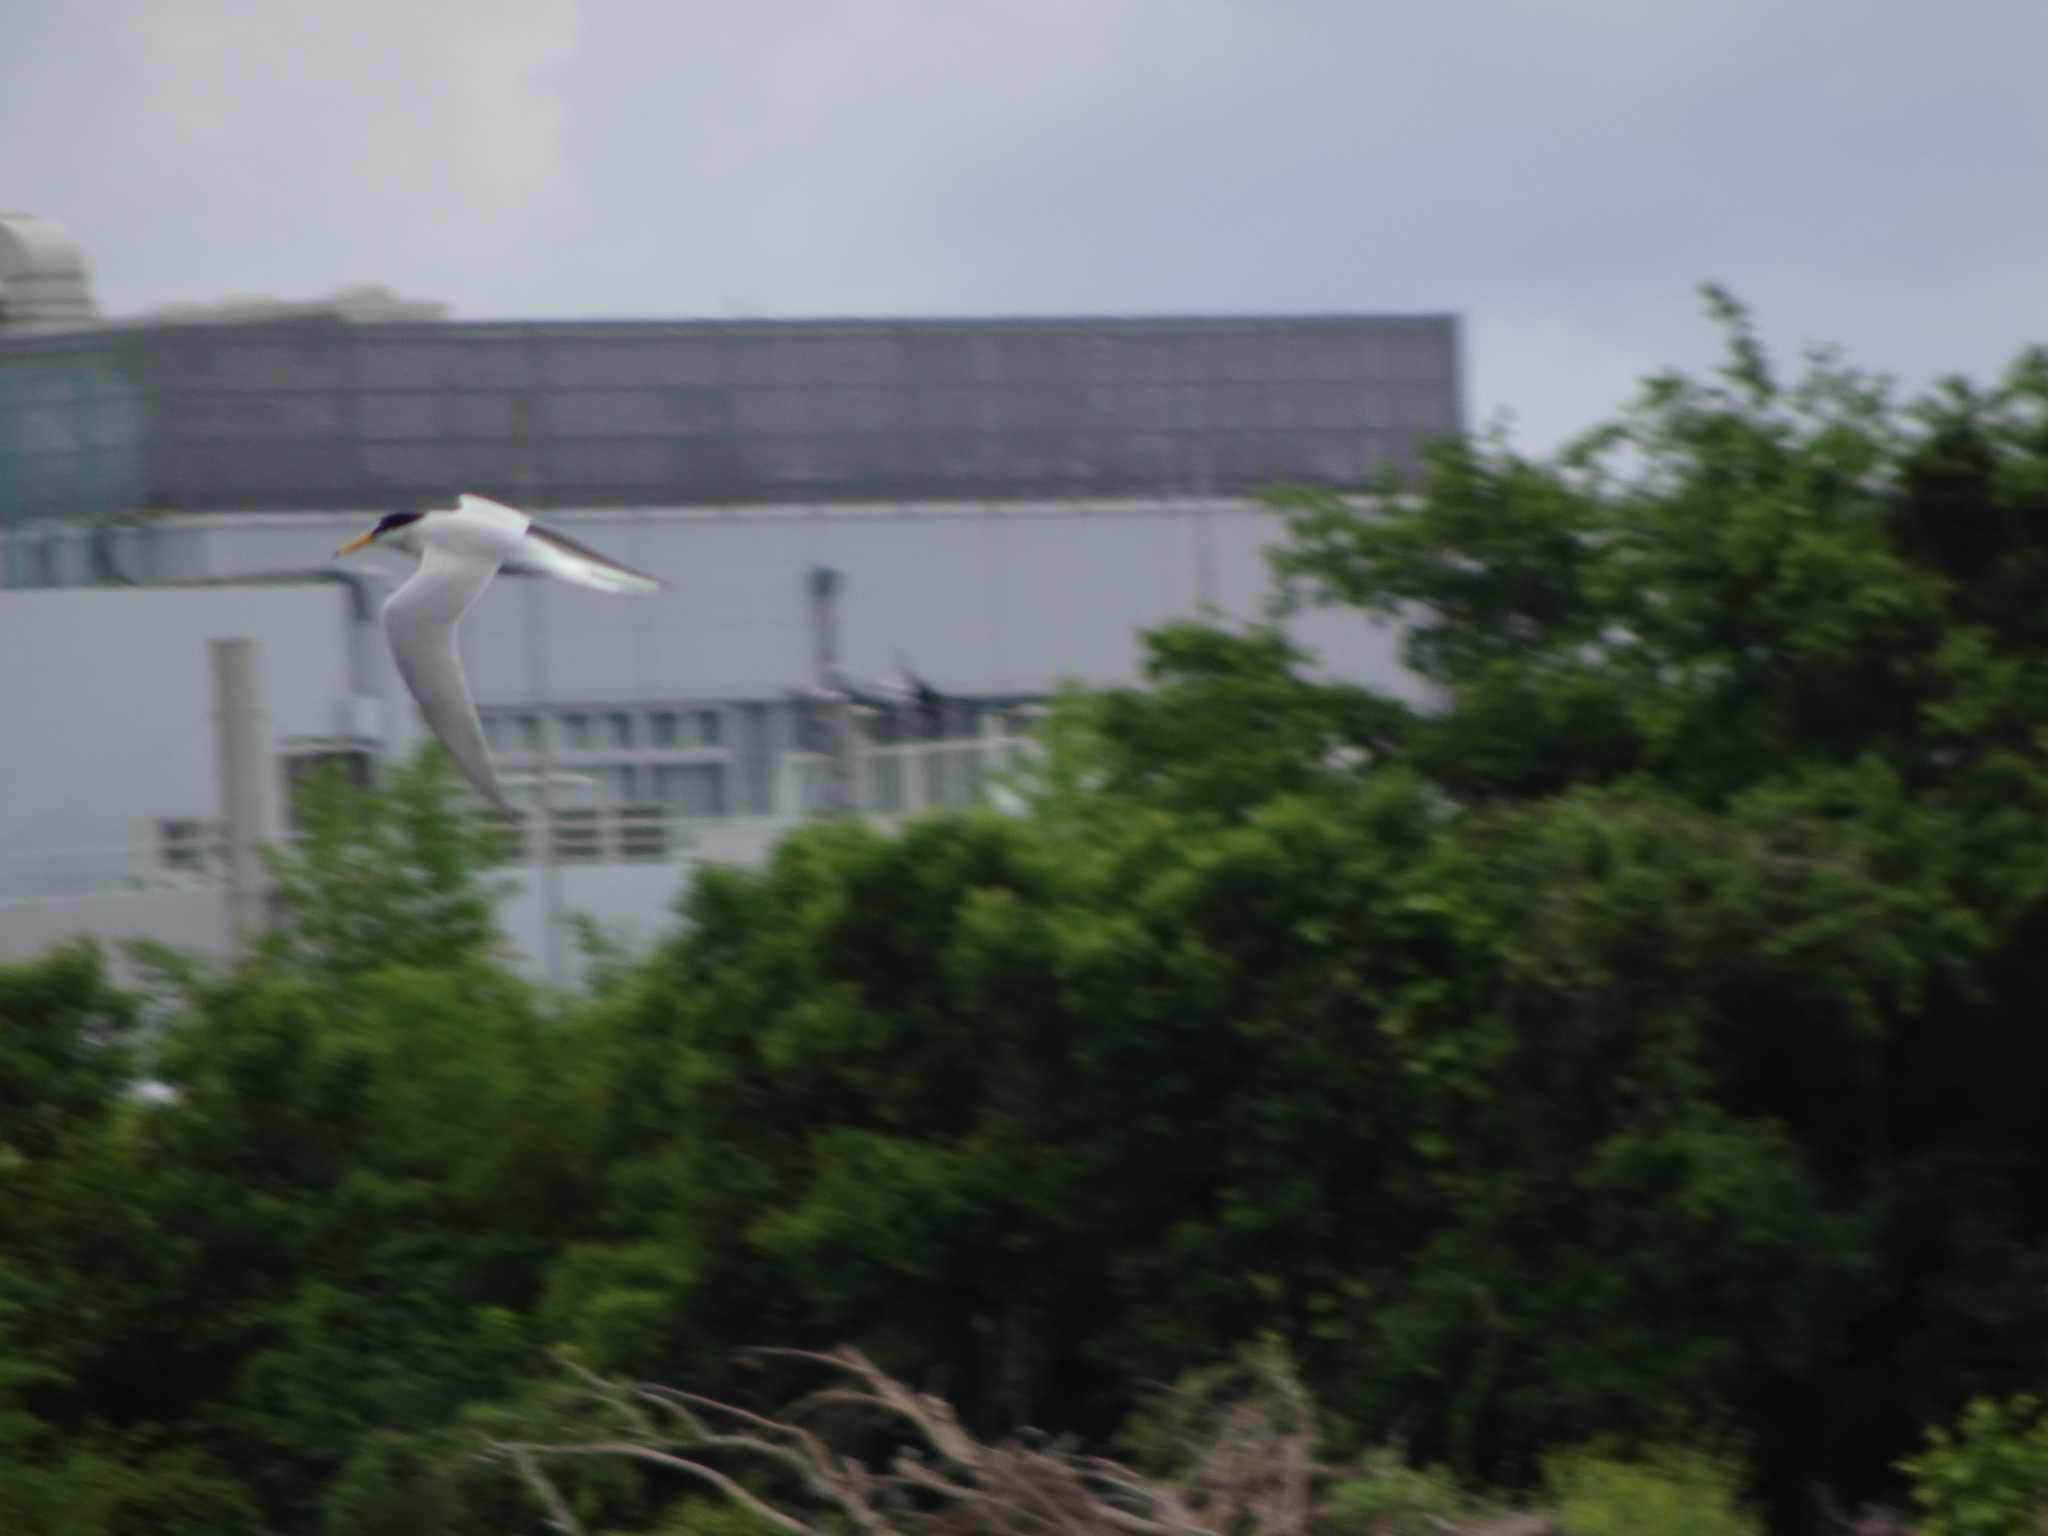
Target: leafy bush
(713,1517)
(1988,1476)
(1391,1498)
(1665,1491)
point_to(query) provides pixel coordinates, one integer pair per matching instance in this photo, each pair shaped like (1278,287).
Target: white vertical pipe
(239,762)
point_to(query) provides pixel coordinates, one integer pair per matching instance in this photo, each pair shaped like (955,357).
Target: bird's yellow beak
(355,544)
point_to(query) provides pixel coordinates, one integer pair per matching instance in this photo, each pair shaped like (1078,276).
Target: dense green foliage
(1639,1040)
(1387,1497)
(1661,1491)
(1989,1475)
(338,1221)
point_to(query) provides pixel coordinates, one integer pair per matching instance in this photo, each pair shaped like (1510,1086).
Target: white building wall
(632,904)
(107,731)
(981,598)
(106,720)
(193,920)
(106,710)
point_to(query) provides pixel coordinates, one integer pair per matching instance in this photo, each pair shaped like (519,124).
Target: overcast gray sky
(1562,173)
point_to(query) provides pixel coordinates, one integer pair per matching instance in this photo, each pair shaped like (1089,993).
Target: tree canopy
(1636,1040)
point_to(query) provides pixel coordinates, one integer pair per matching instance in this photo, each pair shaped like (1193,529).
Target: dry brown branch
(558,1512)
(833,1479)
(1237,1453)
(929,1415)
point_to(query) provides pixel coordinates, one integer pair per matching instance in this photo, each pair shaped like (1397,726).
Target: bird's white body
(460,551)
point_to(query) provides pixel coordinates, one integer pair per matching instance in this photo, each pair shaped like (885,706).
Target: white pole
(839,709)
(1205,534)
(238,758)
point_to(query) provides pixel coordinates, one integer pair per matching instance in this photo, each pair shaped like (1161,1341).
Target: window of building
(643,833)
(576,732)
(691,789)
(692,728)
(883,792)
(515,834)
(621,782)
(952,775)
(184,844)
(578,836)
(757,762)
(508,731)
(618,729)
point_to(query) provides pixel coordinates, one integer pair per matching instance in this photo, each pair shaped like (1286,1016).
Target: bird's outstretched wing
(481,510)
(419,621)
(545,552)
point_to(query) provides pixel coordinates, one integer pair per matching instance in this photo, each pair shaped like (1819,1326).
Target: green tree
(395,876)
(329,1234)
(1986,1476)
(1636,1036)
(1584,1051)
(65,1049)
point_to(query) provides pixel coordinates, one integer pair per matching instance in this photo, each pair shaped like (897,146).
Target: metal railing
(885,782)
(902,778)
(610,834)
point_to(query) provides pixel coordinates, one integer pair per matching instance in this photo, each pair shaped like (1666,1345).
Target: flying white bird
(460,551)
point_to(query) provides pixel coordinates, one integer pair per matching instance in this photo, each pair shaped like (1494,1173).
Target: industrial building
(987,506)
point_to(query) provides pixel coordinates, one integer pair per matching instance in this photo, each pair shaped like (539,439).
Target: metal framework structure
(322,413)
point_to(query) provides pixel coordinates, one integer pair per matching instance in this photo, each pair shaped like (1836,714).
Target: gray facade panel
(304,414)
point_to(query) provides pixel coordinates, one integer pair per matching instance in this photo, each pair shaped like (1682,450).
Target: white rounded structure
(43,282)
